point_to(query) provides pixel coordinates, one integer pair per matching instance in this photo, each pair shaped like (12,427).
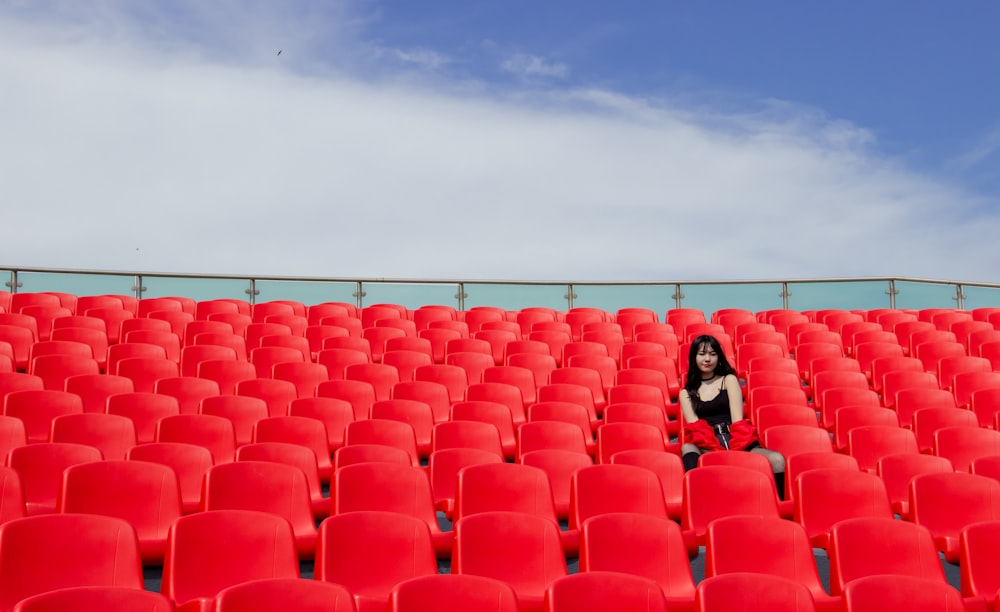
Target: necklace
(709,379)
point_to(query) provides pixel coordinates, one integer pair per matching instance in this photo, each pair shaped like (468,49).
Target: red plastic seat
(877,593)
(854,415)
(371,552)
(870,443)
(501,393)
(978,562)
(641,545)
(41,466)
(283,594)
(226,373)
(188,461)
(265,486)
(380,376)
(750,591)
(302,431)
(37,409)
(192,356)
(12,504)
(145,372)
(55,369)
(715,491)
(946,503)
(388,433)
(210,551)
(790,440)
(559,465)
(442,469)
(433,394)
(46,553)
(95,598)
(360,394)
(559,435)
(540,364)
(869,546)
(20,339)
(215,433)
(96,339)
(928,421)
(188,391)
(406,362)
(452,592)
(967,383)
(574,394)
(146,495)
(297,456)
(824,497)
(388,487)
(963,444)
(616,437)
(453,377)
(604,591)
(522,550)
(896,471)
(95,389)
(276,394)
(111,434)
(601,489)
(243,412)
(264,358)
(780,548)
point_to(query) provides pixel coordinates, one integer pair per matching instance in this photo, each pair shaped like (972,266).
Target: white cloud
(225,166)
(526,65)
(422,58)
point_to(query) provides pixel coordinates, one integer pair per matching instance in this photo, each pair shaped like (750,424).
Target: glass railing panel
(845,295)
(981,297)
(306,292)
(75,284)
(610,298)
(196,288)
(512,296)
(411,295)
(709,298)
(917,295)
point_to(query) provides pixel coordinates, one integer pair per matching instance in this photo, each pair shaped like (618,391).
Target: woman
(712,405)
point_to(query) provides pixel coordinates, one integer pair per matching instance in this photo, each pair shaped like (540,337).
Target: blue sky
(536,140)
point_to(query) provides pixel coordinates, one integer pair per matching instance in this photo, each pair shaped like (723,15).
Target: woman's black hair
(722,367)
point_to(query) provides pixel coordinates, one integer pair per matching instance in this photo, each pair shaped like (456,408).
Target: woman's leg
(689,456)
(777,461)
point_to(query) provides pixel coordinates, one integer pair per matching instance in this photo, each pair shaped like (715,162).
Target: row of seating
(373,560)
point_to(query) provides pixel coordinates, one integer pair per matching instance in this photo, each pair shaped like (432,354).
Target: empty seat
(210,551)
(111,434)
(215,433)
(360,394)
(963,444)
(888,592)
(442,469)
(824,497)
(388,487)
(604,591)
(303,431)
(978,561)
(522,550)
(95,598)
(333,413)
(243,412)
(227,373)
(55,369)
(146,495)
(371,552)
(780,548)
(870,443)
(716,491)
(297,456)
(868,546)
(277,395)
(452,592)
(265,486)
(145,372)
(947,502)
(385,432)
(600,489)
(748,591)
(285,593)
(95,389)
(189,463)
(187,391)
(896,471)
(38,408)
(45,553)
(642,545)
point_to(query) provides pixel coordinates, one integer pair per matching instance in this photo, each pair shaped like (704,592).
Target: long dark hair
(722,367)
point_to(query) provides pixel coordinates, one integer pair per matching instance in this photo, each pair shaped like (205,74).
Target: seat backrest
(522,550)
(453,592)
(212,550)
(188,461)
(716,491)
(604,591)
(54,551)
(614,488)
(285,594)
(41,467)
(146,495)
(888,592)
(751,591)
(112,434)
(370,552)
(638,544)
(503,486)
(871,545)
(95,598)
(825,496)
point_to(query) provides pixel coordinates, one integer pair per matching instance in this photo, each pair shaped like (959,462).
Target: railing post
(570,296)
(138,289)
(893,292)
(12,284)
(460,296)
(677,296)
(784,295)
(960,296)
(252,292)
(359,295)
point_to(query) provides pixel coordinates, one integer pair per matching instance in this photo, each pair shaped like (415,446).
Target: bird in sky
(279,51)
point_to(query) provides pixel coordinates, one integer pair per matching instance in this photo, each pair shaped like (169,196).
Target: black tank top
(715,410)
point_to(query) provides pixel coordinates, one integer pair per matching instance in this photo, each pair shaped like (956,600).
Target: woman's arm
(735,398)
(687,408)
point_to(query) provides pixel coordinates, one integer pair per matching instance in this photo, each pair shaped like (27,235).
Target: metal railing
(707,295)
